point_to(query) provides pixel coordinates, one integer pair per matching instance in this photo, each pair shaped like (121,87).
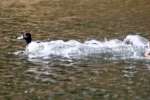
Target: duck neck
(28,40)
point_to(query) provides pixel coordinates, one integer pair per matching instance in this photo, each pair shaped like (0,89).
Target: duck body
(38,49)
(34,47)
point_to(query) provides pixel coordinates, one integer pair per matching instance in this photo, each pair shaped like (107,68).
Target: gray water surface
(65,79)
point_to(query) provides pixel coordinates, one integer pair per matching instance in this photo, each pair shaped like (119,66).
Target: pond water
(72,79)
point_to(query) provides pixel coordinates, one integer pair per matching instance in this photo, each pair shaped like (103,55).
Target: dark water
(87,79)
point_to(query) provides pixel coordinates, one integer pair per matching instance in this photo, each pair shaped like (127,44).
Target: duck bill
(20,38)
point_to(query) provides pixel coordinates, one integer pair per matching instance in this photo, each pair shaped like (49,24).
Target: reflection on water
(63,79)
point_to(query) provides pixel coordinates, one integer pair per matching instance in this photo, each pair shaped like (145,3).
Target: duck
(33,48)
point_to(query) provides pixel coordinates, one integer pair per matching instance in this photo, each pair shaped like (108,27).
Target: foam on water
(132,46)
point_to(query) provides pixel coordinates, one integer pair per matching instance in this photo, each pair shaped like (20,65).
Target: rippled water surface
(72,79)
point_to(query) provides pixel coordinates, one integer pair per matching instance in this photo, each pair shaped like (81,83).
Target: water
(91,78)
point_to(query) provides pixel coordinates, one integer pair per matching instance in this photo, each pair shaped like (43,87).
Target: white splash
(132,46)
